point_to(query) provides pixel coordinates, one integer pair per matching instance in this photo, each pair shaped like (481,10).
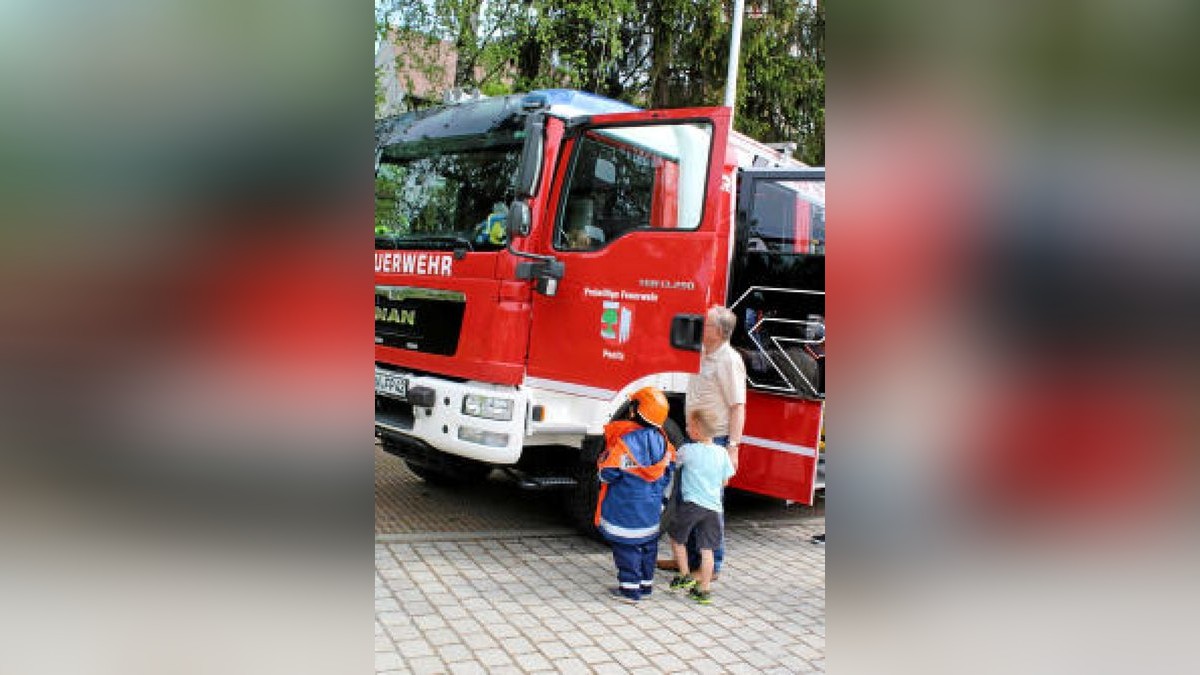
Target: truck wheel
(466,474)
(674,433)
(677,439)
(580,500)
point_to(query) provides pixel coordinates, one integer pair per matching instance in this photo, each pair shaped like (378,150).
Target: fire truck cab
(540,257)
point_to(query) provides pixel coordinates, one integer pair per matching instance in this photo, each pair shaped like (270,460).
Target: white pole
(735,46)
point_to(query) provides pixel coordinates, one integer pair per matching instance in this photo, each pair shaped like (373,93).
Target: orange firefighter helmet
(651,405)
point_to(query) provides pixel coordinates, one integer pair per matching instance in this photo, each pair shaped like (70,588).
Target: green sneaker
(701,597)
(682,583)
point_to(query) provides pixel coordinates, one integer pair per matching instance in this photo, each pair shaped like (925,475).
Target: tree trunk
(466,45)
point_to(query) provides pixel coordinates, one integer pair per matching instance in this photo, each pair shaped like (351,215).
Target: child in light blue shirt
(706,469)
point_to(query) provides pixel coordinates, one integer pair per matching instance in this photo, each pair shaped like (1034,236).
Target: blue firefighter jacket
(634,470)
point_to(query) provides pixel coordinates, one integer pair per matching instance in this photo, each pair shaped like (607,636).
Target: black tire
(677,439)
(580,501)
(674,433)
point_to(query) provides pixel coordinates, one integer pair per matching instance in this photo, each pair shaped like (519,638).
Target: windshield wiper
(441,241)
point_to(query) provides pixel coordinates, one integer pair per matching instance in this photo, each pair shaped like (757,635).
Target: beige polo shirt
(720,383)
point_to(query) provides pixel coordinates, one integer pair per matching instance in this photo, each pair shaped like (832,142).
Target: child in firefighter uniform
(634,469)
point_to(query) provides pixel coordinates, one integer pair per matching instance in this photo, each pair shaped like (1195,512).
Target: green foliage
(651,53)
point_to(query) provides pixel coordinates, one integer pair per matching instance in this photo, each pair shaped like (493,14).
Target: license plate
(391,384)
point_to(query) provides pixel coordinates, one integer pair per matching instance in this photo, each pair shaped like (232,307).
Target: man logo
(404,317)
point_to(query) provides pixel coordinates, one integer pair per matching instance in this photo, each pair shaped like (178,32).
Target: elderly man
(720,388)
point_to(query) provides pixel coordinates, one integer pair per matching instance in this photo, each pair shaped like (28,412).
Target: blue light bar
(569,103)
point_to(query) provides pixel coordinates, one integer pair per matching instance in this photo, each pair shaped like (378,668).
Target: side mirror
(531,156)
(520,219)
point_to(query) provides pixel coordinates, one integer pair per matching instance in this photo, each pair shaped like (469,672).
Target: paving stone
(493,657)
(538,635)
(429,622)
(454,652)
(402,632)
(393,618)
(419,609)
(465,625)
(805,652)
(576,639)
(533,661)
(668,662)
(593,655)
(758,659)
(571,666)
(387,604)
(630,659)
(522,620)
(705,666)
(553,649)
(467,668)
(502,631)
(427,664)
(518,645)
(414,648)
(439,637)
(388,661)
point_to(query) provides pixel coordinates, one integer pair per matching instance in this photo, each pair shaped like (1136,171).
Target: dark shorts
(706,524)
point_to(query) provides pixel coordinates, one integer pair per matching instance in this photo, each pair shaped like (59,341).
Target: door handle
(687,331)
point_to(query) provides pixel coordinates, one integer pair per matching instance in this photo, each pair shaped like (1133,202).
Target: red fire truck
(539,257)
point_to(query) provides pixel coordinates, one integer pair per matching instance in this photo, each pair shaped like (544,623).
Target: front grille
(419,319)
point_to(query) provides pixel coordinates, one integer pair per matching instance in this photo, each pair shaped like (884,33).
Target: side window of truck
(789,217)
(629,178)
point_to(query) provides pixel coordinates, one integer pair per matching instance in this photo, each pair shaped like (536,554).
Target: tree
(650,53)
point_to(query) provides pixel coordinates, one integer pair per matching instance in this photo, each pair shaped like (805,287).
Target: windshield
(445,193)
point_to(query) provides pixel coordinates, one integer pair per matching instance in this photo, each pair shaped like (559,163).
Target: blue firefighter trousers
(635,567)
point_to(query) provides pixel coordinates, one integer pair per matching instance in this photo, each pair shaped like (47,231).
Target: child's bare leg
(706,568)
(681,559)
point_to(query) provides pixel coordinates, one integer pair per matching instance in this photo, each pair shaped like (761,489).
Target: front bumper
(443,426)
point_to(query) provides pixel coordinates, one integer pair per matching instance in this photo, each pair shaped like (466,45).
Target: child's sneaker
(682,583)
(701,597)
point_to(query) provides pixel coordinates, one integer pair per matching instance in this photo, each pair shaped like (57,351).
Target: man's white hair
(724,319)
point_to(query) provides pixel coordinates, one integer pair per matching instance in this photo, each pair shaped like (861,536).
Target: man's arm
(737,421)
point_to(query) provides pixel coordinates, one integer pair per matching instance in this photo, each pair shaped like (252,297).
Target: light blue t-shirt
(706,467)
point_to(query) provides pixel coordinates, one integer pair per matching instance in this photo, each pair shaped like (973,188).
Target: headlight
(490,438)
(487,407)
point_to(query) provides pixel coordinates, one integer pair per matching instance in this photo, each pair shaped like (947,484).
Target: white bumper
(445,426)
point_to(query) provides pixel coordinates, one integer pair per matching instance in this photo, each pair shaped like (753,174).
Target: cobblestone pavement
(539,604)
(489,580)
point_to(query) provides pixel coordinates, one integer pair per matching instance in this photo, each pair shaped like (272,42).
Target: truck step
(530,482)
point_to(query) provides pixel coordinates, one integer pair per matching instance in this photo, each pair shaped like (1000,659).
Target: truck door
(778,293)
(639,217)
